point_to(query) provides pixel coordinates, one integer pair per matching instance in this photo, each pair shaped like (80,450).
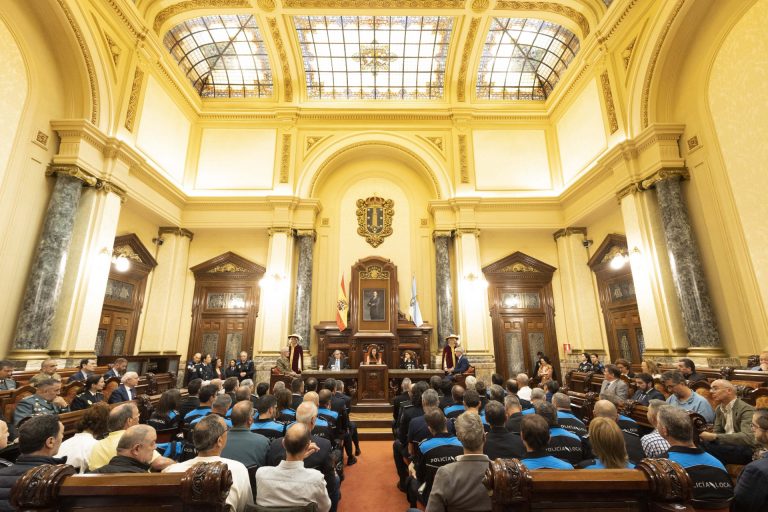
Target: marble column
(685,261)
(305,239)
(444,286)
(41,296)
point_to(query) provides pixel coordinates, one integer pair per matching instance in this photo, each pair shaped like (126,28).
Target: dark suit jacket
(462,365)
(110,373)
(332,361)
(751,491)
(79,376)
(121,395)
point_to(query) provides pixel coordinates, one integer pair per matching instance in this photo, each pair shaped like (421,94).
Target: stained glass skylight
(374,57)
(523,59)
(223,56)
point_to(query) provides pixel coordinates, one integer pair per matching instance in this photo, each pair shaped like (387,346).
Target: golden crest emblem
(374,219)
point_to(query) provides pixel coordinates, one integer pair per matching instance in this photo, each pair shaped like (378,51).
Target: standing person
(545,372)
(751,491)
(91,394)
(192,368)
(206,370)
(449,352)
(231,370)
(245,368)
(585,365)
(295,353)
(537,363)
(216,368)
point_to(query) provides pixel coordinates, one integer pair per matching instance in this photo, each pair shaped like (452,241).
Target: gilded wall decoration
(693,143)
(133,100)
(309,142)
(227,267)
(568,12)
(266,5)
(461,84)
(114,49)
(88,61)
(613,123)
(437,142)
(188,5)
(374,219)
(463,159)
(626,55)
(374,4)
(287,80)
(374,272)
(519,267)
(285,158)
(128,252)
(42,139)
(480,5)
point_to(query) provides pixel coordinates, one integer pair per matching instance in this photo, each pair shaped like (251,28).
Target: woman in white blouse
(91,428)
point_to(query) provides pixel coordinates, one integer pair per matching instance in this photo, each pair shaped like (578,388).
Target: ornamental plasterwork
(188,5)
(626,55)
(613,123)
(518,267)
(88,60)
(374,272)
(463,159)
(615,251)
(133,100)
(461,93)
(226,267)
(128,252)
(285,158)
(374,4)
(309,142)
(287,80)
(374,219)
(569,12)
(266,5)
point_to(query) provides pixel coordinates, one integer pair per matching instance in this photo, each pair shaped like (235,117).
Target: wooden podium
(373,384)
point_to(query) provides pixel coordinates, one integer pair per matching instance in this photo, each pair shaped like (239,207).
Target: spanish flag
(342,307)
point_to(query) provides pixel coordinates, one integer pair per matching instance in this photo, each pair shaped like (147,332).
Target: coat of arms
(374,219)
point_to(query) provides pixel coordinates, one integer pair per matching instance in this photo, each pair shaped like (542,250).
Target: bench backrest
(202,488)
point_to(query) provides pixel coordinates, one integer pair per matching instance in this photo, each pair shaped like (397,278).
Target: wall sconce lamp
(121,262)
(621,258)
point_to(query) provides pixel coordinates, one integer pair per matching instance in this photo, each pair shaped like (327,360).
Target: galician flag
(414,310)
(342,306)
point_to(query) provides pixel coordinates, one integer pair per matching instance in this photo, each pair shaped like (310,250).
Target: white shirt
(240,493)
(78,449)
(524,393)
(291,484)
(728,413)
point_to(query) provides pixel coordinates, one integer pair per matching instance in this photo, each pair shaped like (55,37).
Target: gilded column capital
(74,171)
(109,187)
(275,230)
(630,189)
(571,230)
(468,231)
(173,230)
(665,174)
(306,232)
(442,233)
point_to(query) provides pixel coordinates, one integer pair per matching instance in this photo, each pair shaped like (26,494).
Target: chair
(309,507)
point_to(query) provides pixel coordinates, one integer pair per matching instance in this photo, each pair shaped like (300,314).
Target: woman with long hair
(651,368)
(608,446)
(545,370)
(585,365)
(166,414)
(232,370)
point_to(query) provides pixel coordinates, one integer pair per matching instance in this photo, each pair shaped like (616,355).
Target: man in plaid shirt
(654,445)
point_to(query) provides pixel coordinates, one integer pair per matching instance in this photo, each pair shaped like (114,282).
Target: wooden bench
(23,377)
(656,485)
(202,488)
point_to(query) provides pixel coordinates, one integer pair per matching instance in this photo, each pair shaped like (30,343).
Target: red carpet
(371,484)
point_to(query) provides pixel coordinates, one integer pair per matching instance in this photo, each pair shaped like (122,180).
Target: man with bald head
(732,441)
(245,446)
(606,409)
(134,451)
(290,484)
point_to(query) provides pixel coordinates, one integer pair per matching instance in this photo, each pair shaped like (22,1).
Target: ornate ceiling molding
(278,40)
(88,60)
(563,10)
(285,158)
(461,84)
(610,108)
(133,100)
(373,4)
(189,5)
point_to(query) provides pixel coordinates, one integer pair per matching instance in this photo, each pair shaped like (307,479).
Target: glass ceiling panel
(223,56)
(523,59)
(374,57)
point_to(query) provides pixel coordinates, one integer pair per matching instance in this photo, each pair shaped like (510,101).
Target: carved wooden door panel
(626,339)
(115,328)
(512,351)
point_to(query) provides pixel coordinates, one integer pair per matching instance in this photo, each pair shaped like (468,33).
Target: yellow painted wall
(581,132)
(13,94)
(511,160)
(236,159)
(135,219)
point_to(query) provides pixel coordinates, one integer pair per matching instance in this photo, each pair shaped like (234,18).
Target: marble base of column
(705,352)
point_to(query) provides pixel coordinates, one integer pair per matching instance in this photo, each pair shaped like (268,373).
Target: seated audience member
(612,384)
(85,370)
(290,483)
(565,418)
(134,451)
(535,435)
(625,368)
(297,392)
(482,393)
(456,409)
(438,450)
(400,399)
(328,420)
(242,393)
(39,441)
(497,379)
(118,369)
(341,403)
(266,424)
(242,444)
(762,367)
(684,397)
(688,369)
(47,372)
(458,485)
(219,406)
(278,385)
(91,394)
(210,438)
(262,388)
(607,442)
(418,429)
(91,427)
(121,418)
(562,444)
(537,397)
(550,388)
(512,389)
(625,423)
(514,413)
(500,443)
(654,446)
(732,441)
(283,363)
(710,479)
(400,445)
(606,409)
(126,390)
(192,400)
(6,371)
(496,393)
(322,460)
(46,400)
(286,413)
(751,491)
(523,391)
(473,404)
(645,390)
(4,434)
(469,382)
(597,366)
(651,368)
(166,414)
(311,384)
(585,365)
(206,396)
(230,384)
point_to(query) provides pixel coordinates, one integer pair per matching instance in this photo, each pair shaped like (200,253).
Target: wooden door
(223,336)
(626,339)
(115,329)
(520,337)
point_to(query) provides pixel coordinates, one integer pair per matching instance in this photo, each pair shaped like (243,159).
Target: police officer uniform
(34,405)
(244,367)
(85,399)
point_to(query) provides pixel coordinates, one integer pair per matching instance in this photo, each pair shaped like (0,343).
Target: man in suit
(87,367)
(458,485)
(645,390)
(514,412)
(244,367)
(118,369)
(126,390)
(751,491)
(688,368)
(462,364)
(732,440)
(6,370)
(337,362)
(191,401)
(613,385)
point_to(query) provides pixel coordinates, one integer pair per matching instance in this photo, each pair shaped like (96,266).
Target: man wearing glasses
(684,397)
(732,440)
(751,491)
